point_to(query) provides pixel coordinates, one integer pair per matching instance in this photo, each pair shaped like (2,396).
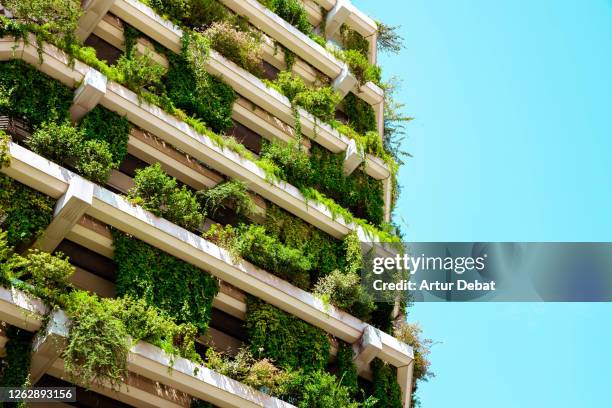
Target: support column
(366,348)
(387,191)
(336,17)
(48,345)
(344,82)
(87,96)
(93,12)
(373,49)
(379,114)
(404,378)
(68,211)
(353,158)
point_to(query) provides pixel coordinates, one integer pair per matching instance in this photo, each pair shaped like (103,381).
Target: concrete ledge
(93,11)
(21,310)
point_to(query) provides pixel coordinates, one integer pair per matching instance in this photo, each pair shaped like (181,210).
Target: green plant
(360,67)
(386,389)
(159,193)
(140,72)
(105,125)
(352,40)
(29,94)
(360,114)
(242,48)
(345,291)
(388,38)
(24,213)
(96,349)
(5,154)
(291,11)
(291,161)
(230,194)
(289,342)
(244,367)
(193,13)
(15,367)
(347,371)
(177,288)
(65,144)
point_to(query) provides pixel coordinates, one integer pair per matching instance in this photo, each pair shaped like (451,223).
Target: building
(215,162)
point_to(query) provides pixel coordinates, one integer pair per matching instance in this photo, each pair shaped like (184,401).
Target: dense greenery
(24,213)
(412,334)
(347,372)
(182,291)
(292,11)
(324,172)
(15,367)
(5,154)
(160,194)
(360,67)
(107,126)
(386,389)
(288,341)
(241,47)
(360,114)
(228,194)
(352,40)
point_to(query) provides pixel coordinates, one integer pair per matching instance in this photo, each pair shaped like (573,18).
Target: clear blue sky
(511,142)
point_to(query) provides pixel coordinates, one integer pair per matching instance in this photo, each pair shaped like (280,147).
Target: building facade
(187,189)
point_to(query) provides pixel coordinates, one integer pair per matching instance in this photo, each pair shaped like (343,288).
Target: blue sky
(511,142)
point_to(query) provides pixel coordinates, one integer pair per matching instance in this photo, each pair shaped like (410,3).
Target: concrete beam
(353,158)
(344,82)
(367,348)
(93,12)
(68,211)
(336,17)
(87,96)
(48,345)
(387,195)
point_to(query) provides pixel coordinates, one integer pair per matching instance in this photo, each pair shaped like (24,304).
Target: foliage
(360,114)
(412,334)
(291,163)
(15,367)
(352,40)
(292,11)
(96,351)
(242,48)
(105,125)
(57,18)
(259,374)
(192,13)
(65,144)
(320,102)
(182,291)
(29,94)
(388,39)
(252,243)
(204,96)
(139,72)
(230,194)
(5,154)
(360,67)
(386,389)
(289,342)
(347,371)
(159,193)
(24,212)
(381,317)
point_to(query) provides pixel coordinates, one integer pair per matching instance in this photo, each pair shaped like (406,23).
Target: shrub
(29,94)
(140,72)
(412,334)
(347,371)
(242,48)
(289,342)
(204,96)
(361,68)
(15,367)
(96,351)
(291,11)
(180,290)
(230,194)
(24,212)
(319,389)
(5,154)
(103,124)
(65,144)
(386,389)
(193,13)
(352,40)
(360,114)
(159,193)
(344,290)
(292,163)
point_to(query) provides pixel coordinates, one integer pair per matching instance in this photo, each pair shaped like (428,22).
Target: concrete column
(373,49)
(93,12)
(68,210)
(48,345)
(353,158)
(387,191)
(366,348)
(336,17)
(344,82)
(379,114)
(87,96)
(404,378)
